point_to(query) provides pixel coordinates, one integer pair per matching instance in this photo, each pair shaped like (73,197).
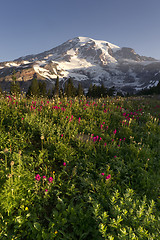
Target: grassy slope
(101,163)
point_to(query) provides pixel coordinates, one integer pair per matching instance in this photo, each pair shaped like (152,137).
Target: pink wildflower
(115,131)
(50,179)
(102,174)
(37,177)
(108,177)
(64,164)
(46,190)
(44,177)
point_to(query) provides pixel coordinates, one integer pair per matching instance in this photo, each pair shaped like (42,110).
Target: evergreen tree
(65,88)
(14,76)
(99,91)
(53,89)
(80,91)
(42,89)
(61,93)
(69,87)
(56,90)
(103,91)
(15,87)
(150,91)
(0,89)
(89,94)
(120,94)
(111,91)
(158,88)
(70,90)
(49,94)
(33,88)
(94,91)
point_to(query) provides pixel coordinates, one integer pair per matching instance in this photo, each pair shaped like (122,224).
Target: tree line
(151,90)
(39,89)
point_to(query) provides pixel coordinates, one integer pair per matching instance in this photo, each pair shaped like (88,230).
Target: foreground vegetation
(79,168)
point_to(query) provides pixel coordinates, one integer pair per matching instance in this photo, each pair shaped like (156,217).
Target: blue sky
(33,26)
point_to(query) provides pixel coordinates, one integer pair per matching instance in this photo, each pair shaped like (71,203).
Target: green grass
(79,168)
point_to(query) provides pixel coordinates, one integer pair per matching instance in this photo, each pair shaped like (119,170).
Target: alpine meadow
(79,167)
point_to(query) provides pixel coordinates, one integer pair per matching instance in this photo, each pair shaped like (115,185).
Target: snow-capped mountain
(88,61)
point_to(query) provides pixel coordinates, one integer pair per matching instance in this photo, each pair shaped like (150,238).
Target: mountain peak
(84,39)
(100,43)
(89,61)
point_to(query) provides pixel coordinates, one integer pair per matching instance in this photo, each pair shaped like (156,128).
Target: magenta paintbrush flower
(115,131)
(108,177)
(50,179)
(37,177)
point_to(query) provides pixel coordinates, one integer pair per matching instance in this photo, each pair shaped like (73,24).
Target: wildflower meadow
(79,168)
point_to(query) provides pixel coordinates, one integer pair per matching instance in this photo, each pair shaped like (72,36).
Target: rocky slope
(88,61)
